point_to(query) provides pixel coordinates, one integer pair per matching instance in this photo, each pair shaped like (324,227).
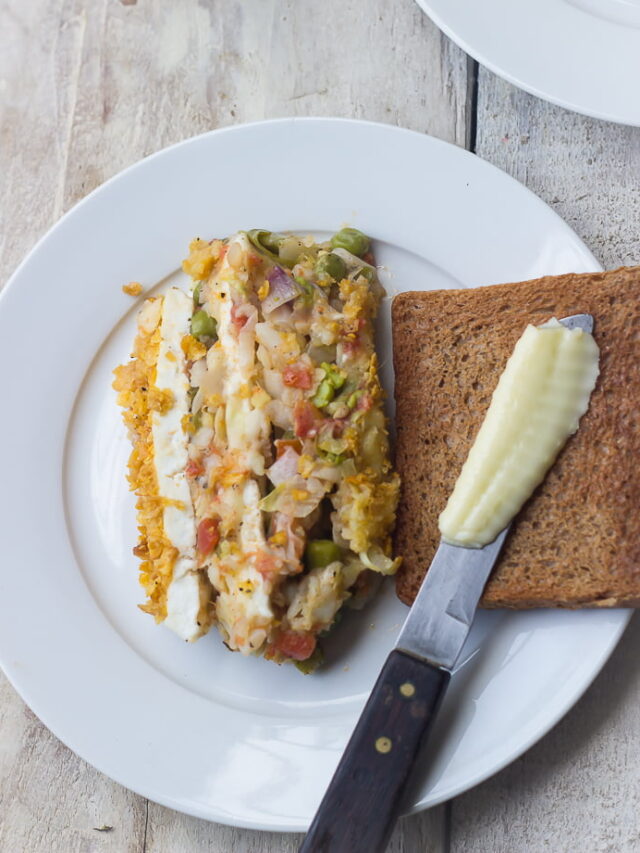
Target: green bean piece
(367,273)
(267,243)
(196,293)
(352,240)
(269,240)
(311,663)
(333,458)
(331,266)
(307,291)
(203,325)
(292,250)
(321,552)
(328,444)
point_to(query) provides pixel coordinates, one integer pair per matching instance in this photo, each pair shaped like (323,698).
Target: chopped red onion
(284,468)
(282,289)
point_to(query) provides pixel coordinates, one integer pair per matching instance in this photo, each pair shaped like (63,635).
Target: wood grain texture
(50,800)
(576,790)
(587,170)
(88,87)
(170,832)
(579,788)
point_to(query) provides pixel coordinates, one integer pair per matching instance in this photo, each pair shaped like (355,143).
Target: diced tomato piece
(297,376)
(297,645)
(306,419)
(351,347)
(208,535)
(237,319)
(267,565)
(194,468)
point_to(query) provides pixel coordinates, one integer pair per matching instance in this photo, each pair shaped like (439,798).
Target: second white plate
(580,54)
(197,728)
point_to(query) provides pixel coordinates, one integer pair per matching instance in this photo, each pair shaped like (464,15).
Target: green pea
(352,240)
(321,552)
(203,325)
(332,266)
(196,293)
(334,374)
(324,395)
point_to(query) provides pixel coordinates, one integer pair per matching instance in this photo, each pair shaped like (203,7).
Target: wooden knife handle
(361,805)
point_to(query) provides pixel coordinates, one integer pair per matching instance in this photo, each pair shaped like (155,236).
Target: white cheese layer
(187,593)
(243,608)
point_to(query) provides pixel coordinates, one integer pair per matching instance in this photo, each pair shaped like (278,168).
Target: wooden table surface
(88,87)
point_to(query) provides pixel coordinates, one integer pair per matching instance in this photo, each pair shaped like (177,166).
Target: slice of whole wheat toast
(576,543)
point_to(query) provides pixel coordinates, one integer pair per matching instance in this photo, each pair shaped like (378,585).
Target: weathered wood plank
(88,87)
(168,831)
(587,170)
(123,81)
(50,800)
(578,789)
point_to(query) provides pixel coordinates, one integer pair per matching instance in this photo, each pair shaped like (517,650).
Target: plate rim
(540,733)
(77,207)
(13,675)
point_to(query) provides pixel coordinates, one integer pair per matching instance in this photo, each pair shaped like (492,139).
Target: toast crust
(576,542)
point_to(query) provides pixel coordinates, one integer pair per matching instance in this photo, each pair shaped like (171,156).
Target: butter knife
(364,798)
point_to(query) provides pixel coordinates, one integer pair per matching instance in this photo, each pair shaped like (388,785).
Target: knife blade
(441,615)
(364,798)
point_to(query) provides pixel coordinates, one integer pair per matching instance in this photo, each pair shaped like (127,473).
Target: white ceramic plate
(581,54)
(197,728)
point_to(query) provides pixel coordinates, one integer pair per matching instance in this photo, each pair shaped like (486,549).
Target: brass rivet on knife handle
(407,689)
(384,745)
